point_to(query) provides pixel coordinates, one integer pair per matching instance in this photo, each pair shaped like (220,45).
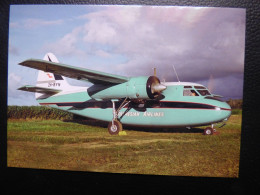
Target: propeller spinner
(154,87)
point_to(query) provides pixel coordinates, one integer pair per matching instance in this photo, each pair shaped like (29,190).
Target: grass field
(70,145)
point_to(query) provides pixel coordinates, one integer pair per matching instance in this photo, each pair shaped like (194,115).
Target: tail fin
(51,80)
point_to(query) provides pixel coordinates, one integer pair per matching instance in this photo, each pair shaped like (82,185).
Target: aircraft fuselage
(173,109)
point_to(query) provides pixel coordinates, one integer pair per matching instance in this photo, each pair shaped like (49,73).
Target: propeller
(157,87)
(154,86)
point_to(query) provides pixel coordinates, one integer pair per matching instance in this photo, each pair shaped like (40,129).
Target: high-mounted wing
(73,72)
(36,89)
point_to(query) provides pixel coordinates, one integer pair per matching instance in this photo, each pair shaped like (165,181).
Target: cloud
(13,83)
(13,50)
(13,24)
(24,99)
(228,86)
(131,40)
(103,53)
(199,42)
(33,23)
(67,45)
(17,97)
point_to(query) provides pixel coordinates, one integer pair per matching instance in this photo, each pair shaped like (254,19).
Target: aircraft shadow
(97,123)
(164,129)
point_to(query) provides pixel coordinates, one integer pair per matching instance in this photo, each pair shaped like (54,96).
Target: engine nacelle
(136,88)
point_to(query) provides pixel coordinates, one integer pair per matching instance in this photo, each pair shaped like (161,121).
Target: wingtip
(24,62)
(21,63)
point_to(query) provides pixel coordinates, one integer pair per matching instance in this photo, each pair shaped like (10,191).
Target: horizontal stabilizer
(36,89)
(73,72)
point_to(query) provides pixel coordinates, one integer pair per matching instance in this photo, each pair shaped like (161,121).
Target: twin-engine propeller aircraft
(140,101)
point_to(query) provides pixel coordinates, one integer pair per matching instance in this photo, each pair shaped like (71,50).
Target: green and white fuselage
(173,110)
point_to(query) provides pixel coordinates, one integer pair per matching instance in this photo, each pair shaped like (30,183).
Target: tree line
(37,112)
(235,103)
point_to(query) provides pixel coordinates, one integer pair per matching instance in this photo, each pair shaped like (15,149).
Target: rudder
(50,80)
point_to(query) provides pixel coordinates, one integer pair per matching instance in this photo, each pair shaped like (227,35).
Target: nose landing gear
(209,130)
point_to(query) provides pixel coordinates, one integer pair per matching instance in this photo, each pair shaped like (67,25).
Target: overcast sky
(206,45)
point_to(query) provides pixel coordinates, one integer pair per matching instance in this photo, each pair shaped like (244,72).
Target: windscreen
(204,92)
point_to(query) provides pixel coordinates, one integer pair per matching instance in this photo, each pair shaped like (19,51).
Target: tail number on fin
(54,84)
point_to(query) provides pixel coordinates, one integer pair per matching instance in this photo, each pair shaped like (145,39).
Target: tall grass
(37,112)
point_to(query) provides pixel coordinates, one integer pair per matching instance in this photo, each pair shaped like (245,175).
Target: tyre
(114,129)
(208,131)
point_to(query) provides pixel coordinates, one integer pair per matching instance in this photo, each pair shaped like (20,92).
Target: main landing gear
(209,130)
(115,126)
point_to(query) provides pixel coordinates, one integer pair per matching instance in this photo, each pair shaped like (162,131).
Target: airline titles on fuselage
(144,114)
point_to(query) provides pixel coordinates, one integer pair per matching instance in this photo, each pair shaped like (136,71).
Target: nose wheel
(209,130)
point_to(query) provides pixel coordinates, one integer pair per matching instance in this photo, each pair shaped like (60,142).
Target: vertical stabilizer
(50,80)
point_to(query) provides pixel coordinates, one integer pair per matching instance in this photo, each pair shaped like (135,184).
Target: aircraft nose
(227,109)
(226,105)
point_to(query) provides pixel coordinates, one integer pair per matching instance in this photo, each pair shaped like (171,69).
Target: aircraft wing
(36,89)
(73,72)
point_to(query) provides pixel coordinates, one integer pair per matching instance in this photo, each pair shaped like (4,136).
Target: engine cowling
(136,88)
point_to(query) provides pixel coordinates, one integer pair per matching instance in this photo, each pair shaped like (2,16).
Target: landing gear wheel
(114,129)
(208,131)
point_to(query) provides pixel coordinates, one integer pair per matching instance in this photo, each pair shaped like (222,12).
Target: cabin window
(189,92)
(204,92)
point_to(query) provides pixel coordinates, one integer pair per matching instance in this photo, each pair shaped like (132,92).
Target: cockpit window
(190,92)
(187,86)
(204,92)
(199,87)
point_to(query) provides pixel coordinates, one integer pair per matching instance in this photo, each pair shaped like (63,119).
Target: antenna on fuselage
(154,71)
(176,73)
